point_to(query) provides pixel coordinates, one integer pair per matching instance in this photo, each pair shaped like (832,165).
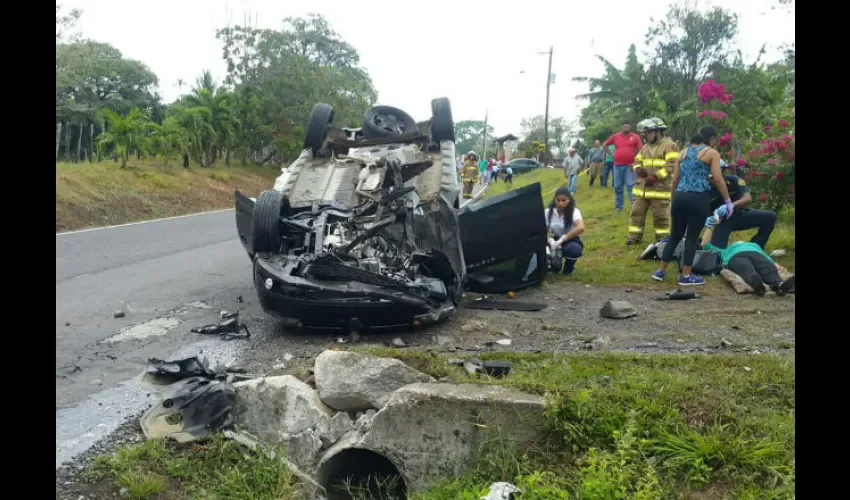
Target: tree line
(107,104)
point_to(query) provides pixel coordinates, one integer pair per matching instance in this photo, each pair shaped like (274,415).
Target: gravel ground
(719,321)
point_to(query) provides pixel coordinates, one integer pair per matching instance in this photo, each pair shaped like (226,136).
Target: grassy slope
(102,194)
(648,427)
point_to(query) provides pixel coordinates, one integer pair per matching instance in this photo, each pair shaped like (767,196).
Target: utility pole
(546,116)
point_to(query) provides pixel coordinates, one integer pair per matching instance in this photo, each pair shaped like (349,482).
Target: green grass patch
(607,260)
(102,194)
(217,468)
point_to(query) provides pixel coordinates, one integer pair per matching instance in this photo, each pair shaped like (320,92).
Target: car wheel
(442,124)
(268,209)
(317,129)
(387,121)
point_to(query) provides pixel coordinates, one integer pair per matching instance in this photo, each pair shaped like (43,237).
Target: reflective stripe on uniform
(662,173)
(635,229)
(652,195)
(672,155)
(654,162)
(662,232)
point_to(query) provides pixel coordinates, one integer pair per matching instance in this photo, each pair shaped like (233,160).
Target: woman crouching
(565,225)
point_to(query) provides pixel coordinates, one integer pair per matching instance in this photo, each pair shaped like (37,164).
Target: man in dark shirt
(743,218)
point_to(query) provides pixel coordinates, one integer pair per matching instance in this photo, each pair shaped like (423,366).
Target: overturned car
(364,230)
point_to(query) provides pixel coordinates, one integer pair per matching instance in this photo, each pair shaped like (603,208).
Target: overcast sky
(480,56)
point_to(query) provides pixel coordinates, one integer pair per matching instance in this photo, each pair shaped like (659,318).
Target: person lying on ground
(750,262)
(743,217)
(565,224)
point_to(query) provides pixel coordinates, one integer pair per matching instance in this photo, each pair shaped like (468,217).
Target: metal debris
(229,328)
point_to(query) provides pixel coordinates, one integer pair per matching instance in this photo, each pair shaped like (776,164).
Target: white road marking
(144,222)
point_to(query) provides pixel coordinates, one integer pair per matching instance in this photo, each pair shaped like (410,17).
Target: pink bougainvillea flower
(767,128)
(753,153)
(741,162)
(788,138)
(704,114)
(730,154)
(763,198)
(772,162)
(781,145)
(780,176)
(724,139)
(783,123)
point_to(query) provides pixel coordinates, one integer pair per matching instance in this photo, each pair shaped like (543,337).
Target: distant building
(504,145)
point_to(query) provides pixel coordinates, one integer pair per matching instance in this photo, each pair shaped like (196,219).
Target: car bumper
(300,303)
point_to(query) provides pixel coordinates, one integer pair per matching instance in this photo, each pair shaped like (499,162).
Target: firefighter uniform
(653,188)
(469,175)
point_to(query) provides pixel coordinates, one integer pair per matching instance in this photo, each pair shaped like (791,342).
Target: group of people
(685,193)
(474,171)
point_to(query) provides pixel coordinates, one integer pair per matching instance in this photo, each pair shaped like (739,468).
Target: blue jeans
(572,183)
(624,176)
(572,251)
(606,171)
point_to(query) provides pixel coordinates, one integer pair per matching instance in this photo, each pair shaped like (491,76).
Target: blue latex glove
(729,208)
(711,221)
(721,211)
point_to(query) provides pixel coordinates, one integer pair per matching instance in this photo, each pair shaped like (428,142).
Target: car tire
(376,124)
(318,127)
(442,123)
(268,209)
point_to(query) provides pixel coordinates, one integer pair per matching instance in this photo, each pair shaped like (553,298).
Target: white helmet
(472,153)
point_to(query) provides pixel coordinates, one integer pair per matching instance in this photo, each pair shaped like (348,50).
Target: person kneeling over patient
(563,219)
(750,262)
(744,217)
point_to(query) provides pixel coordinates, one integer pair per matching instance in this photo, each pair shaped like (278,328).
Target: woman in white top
(565,225)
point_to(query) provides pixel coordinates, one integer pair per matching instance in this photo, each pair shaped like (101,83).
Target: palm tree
(123,134)
(218,121)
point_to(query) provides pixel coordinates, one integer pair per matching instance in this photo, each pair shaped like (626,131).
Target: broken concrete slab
(277,408)
(618,309)
(350,381)
(430,431)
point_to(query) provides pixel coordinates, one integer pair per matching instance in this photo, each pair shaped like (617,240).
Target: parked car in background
(523,165)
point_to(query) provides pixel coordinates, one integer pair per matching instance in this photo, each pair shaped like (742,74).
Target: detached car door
(245,221)
(504,241)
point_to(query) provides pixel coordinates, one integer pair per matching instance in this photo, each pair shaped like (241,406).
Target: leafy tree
(123,133)
(168,140)
(468,135)
(560,133)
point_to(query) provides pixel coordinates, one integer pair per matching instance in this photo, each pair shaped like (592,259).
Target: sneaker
(659,275)
(692,280)
(785,286)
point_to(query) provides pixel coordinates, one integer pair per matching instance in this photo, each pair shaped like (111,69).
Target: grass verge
(621,426)
(607,260)
(102,194)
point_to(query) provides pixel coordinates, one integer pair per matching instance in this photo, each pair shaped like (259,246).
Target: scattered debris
(778,253)
(747,369)
(240,299)
(118,314)
(501,491)
(617,309)
(473,326)
(504,341)
(497,369)
(229,328)
(489,303)
(190,409)
(398,342)
(510,295)
(679,295)
(288,357)
(725,343)
(341,340)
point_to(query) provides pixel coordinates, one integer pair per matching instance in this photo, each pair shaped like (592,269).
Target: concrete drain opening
(357,473)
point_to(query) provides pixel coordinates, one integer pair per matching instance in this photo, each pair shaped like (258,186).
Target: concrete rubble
(618,309)
(369,410)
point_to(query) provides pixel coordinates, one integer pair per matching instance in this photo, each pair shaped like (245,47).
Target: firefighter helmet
(651,125)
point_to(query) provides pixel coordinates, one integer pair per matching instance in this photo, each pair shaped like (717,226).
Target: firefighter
(653,188)
(469,173)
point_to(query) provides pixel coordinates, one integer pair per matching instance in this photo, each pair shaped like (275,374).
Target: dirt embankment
(102,194)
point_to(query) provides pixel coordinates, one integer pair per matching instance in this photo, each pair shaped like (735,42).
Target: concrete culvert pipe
(356,473)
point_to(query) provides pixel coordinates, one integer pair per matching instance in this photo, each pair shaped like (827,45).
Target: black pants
(754,267)
(688,212)
(764,220)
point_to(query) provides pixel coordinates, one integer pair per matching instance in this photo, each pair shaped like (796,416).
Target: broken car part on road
(365,230)
(229,328)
